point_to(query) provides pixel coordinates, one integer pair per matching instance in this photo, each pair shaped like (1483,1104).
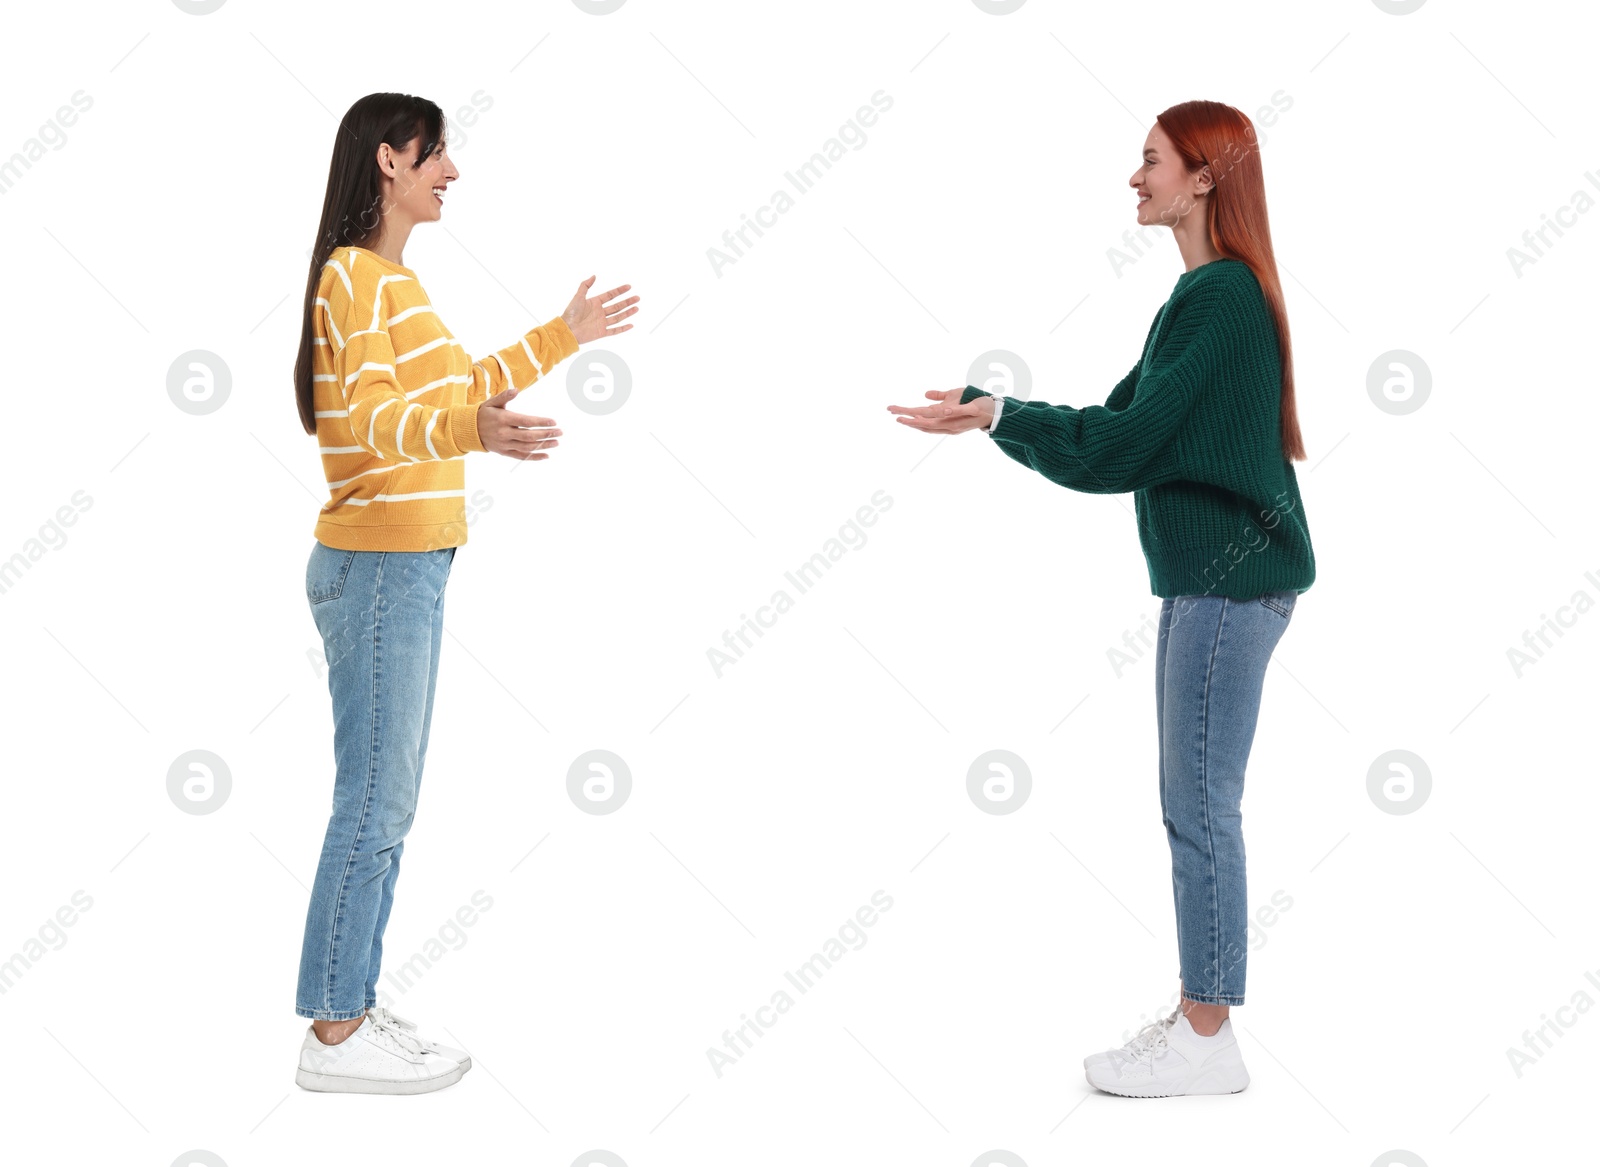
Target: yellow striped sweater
(396,400)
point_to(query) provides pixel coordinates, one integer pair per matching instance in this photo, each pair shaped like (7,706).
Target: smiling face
(1167,191)
(415,194)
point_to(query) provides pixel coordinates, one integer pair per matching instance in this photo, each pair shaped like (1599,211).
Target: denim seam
(1205,798)
(372,770)
(1163,625)
(327,1014)
(1163,641)
(338,585)
(1229,999)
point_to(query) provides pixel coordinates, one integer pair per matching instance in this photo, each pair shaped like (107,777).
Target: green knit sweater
(1192,430)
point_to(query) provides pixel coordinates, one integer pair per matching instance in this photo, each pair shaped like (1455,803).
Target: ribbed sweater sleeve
(383,420)
(1120,396)
(1133,441)
(1123,393)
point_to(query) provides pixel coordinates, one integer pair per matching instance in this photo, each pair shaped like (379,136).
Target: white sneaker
(378,1058)
(1166,1058)
(386,1016)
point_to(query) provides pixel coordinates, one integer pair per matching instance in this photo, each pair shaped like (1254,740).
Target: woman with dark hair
(1202,430)
(396,405)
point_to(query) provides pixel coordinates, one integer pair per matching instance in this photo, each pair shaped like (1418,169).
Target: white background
(770,803)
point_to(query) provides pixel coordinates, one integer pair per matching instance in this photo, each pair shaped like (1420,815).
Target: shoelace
(389,1035)
(1150,1040)
(409,1028)
(391,1016)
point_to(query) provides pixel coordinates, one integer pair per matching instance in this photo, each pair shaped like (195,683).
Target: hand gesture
(949,416)
(516,435)
(592,318)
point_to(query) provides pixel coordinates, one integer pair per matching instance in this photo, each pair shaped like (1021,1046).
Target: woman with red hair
(1203,430)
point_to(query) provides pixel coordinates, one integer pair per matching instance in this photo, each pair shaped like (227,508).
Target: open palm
(591,317)
(949,416)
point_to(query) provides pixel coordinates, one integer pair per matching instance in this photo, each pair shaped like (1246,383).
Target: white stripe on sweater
(412,497)
(399,433)
(398,317)
(427,436)
(372,426)
(531,357)
(350,377)
(453,379)
(411,354)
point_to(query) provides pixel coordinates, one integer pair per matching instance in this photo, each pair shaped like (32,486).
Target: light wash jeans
(1211,659)
(381,616)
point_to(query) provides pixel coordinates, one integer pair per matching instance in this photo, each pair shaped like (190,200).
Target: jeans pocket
(325,572)
(1280,602)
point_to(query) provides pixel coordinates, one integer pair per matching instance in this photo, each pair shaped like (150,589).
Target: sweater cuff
(464,428)
(558,331)
(971,393)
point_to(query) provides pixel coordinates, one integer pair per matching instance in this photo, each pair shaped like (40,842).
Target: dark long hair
(352,211)
(1209,132)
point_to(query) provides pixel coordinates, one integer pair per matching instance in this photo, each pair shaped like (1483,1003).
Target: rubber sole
(350,1084)
(1206,1083)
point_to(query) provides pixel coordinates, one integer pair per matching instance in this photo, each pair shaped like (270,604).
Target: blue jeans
(381,617)
(1211,659)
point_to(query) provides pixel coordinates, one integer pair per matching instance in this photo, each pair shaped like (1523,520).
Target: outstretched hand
(593,317)
(948,417)
(516,435)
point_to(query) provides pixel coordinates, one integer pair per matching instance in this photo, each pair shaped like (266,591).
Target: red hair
(1211,133)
